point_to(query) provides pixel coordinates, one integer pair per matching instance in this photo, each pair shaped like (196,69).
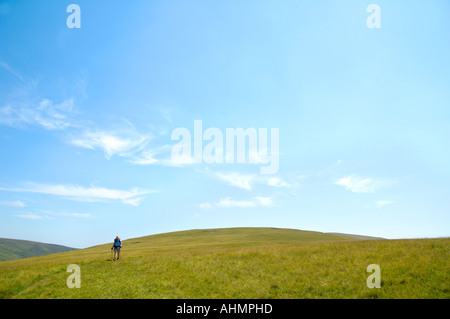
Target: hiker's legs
(116,253)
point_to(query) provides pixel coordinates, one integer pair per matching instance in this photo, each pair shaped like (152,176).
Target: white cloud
(91,194)
(230,203)
(205,206)
(360,185)
(145,158)
(16,203)
(237,179)
(49,214)
(149,157)
(30,216)
(258,201)
(247,181)
(24,105)
(46,114)
(133,201)
(166,113)
(331,169)
(178,161)
(8,68)
(66,214)
(381,203)
(278,182)
(111,143)
(264,201)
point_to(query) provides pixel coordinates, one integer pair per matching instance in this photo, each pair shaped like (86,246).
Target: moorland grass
(238,263)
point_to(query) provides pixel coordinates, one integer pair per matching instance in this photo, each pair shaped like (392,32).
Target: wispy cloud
(206,206)
(88,194)
(66,214)
(195,215)
(258,201)
(8,68)
(45,113)
(50,215)
(26,104)
(30,216)
(16,203)
(179,161)
(248,181)
(331,169)
(160,155)
(382,203)
(239,180)
(361,185)
(166,113)
(279,182)
(124,144)
(145,158)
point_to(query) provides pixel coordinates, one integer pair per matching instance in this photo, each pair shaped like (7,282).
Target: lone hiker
(116,246)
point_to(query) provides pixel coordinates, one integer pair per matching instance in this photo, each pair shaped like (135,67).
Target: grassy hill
(238,263)
(16,249)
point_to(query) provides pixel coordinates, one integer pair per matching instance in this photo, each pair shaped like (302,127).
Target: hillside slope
(11,249)
(238,263)
(227,237)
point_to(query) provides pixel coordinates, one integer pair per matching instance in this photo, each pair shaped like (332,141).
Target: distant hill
(11,249)
(360,237)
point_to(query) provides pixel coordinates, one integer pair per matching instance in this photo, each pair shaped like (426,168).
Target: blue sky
(86,117)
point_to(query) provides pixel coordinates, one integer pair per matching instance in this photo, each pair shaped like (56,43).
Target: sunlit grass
(238,263)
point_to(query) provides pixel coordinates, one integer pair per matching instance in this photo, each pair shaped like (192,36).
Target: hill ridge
(13,249)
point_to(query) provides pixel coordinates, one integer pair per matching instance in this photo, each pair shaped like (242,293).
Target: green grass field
(238,263)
